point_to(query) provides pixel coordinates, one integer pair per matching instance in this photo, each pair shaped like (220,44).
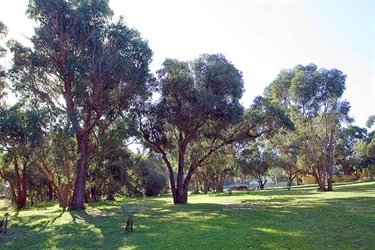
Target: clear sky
(259,37)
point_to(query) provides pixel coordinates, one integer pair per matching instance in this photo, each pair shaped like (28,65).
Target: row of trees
(85,91)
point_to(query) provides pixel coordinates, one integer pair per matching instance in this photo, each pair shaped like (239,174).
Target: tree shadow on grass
(95,229)
(333,224)
(273,222)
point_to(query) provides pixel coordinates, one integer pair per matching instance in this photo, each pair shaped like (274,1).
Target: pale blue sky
(259,37)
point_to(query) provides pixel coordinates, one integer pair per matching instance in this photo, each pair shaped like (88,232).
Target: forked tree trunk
(320,180)
(18,186)
(181,196)
(21,183)
(78,199)
(261,184)
(180,192)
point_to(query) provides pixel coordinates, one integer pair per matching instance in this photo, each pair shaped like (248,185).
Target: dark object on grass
(110,197)
(239,188)
(129,223)
(4,224)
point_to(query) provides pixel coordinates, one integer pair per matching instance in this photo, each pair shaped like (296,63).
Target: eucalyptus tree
(365,149)
(3,33)
(288,145)
(21,133)
(198,113)
(111,161)
(55,158)
(347,159)
(213,173)
(81,62)
(256,160)
(312,98)
(277,174)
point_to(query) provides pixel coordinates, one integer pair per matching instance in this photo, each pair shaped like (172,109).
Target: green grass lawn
(301,218)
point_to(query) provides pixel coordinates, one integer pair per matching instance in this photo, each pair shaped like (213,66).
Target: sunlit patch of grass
(274,231)
(301,218)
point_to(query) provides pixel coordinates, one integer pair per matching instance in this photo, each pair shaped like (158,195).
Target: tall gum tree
(197,114)
(96,66)
(312,98)
(3,33)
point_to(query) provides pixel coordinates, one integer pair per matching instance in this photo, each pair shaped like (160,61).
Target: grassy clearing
(270,219)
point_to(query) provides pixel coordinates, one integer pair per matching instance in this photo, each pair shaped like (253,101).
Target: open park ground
(301,218)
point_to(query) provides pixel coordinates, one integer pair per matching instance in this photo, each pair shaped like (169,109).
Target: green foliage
(312,99)
(112,163)
(213,173)
(347,158)
(98,67)
(276,174)
(364,149)
(155,183)
(152,176)
(205,91)
(199,103)
(301,218)
(256,160)
(370,121)
(22,135)
(3,32)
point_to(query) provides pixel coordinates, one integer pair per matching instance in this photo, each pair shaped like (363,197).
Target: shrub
(155,182)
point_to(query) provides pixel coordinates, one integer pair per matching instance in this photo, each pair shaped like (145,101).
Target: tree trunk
(181,196)
(329,183)
(297,178)
(77,202)
(290,178)
(319,179)
(206,185)
(94,194)
(330,161)
(180,193)
(19,188)
(329,174)
(197,187)
(32,198)
(50,192)
(220,182)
